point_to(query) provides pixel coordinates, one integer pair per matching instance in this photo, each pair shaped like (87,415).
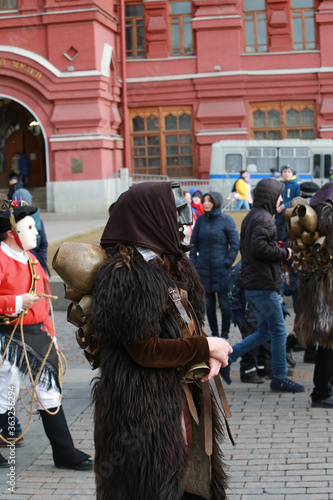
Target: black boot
(292,343)
(250,376)
(65,455)
(264,361)
(310,354)
(3,461)
(13,435)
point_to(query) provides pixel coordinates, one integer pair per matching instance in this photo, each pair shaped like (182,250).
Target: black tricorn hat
(19,213)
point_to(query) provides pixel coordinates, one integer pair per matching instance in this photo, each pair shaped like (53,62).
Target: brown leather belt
(207,413)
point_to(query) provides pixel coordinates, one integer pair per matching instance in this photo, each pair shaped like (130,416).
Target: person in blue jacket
(215,246)
(24,163)
(291,190)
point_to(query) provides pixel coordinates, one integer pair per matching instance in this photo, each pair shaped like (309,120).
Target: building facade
(196,72)
(238,69)
(60,95)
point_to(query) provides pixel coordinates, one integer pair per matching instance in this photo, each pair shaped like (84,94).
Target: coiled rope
(33,392)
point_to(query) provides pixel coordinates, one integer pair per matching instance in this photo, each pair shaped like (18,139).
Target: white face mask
(27,233)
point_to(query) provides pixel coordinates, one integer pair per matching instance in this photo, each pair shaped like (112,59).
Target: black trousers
(248,360)
(323,375)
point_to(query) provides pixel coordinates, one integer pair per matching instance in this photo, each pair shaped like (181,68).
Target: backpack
(233,189)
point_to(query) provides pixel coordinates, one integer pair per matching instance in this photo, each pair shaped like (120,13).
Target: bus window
(316,166)
(264,158)
(327,165)
(254,152)
(233,163)
(266,152)
(298,158)
(264,165)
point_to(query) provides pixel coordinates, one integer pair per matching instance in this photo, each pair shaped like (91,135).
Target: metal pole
(126,131)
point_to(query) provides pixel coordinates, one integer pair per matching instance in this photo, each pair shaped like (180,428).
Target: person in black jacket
(14,184)
(215,246)
(244,318)
(261,279)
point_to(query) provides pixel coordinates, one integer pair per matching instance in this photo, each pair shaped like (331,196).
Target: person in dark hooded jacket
(261,280)
(215,246)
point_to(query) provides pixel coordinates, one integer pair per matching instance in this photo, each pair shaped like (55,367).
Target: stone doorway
(20,131)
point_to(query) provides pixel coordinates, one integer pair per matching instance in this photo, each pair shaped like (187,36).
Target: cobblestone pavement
(35,475)
(283,447)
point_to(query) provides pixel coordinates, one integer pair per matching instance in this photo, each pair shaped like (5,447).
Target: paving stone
(283,447)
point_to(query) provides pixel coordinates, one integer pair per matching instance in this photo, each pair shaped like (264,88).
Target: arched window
(283,120)
(162,141)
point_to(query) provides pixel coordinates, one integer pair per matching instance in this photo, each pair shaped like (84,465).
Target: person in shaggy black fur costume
(144,433)
(314,313)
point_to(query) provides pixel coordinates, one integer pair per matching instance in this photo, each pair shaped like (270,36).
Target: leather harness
(190,327)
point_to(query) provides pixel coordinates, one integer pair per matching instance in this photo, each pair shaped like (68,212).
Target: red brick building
(196,72)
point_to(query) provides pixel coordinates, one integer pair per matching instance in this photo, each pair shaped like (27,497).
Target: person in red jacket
(23,286)
(196,204)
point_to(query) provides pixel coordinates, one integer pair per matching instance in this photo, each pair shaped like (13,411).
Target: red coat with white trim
(16,279)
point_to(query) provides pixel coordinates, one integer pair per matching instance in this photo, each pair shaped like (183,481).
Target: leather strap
(188,331)
(207,412)
(225,410)
(190,403)
(222,395)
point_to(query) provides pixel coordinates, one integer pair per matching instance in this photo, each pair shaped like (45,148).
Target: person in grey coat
(215,246)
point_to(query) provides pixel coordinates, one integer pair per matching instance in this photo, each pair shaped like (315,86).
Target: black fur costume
(314,318)
(141,453)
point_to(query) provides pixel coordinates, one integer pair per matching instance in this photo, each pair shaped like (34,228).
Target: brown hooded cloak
(141,448)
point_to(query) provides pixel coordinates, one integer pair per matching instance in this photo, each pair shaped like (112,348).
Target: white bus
(311,161)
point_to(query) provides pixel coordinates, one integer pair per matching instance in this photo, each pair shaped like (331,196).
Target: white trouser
(10,381)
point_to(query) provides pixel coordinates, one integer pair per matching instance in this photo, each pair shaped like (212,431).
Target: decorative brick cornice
(216,7)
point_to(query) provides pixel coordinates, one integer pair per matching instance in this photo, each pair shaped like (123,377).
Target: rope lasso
(33,393)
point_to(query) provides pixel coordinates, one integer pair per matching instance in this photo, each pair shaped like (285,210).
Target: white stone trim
(84,137)
(71,196)
(326,128)
(171,58)
(218,74)
(38,14)
(223,131)
(37,58)
(313,51)
(8,11)
(206,18)
(106,60)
